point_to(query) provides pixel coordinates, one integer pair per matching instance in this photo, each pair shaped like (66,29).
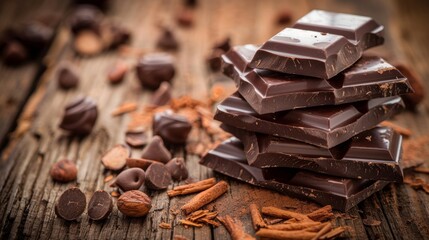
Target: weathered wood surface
(28,194)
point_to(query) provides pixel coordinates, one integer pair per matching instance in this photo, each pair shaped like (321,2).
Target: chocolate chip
(172,128)
(100,205)
(157,177)
(284,17)
(190,3)
(116,35)
(80,116)
(136,139)
(71,204)
(162,96)
(214,60)
(117,72)
(153,69)
(88,43)
(35,36)
(115,159)
(167,41)
(64,171)
(224,45)
(67,76)
(130,179)
(177,168)
(156,151)
(185,18)
(139,162)
(85,17)
(14,53)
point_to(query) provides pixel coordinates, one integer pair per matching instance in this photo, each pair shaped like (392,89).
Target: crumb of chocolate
(165,225)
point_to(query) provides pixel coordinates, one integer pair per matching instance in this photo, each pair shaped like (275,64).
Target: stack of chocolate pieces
(305,116)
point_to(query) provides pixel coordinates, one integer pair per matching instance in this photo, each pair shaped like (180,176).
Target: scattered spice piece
(285,214)
(321,214)
(294,226)
(273,221)
(203,216)
(235,228)
(117,72)
(125,108)
(205,197)
(115,194)
(399,129)
(192,187)
(333,233)
(422,170)
(189,223)
(371,222)
(165,225)
(278,234)
(257,220)
(417,183)
(108,178)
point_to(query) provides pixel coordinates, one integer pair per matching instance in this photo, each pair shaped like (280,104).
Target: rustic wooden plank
(18,82)
(30,195)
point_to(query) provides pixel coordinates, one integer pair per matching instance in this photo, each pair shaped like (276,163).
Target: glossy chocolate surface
(374,154)
(229,159)
(324,126)
(321,44)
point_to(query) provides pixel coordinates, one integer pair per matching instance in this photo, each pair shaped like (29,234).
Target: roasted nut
(134,203)
(64,171)
(116,157)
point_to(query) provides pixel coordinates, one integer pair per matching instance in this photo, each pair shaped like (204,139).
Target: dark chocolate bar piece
(374,154)
(321,44)
(370,77)
(342,193)
(236,61)
(324,126)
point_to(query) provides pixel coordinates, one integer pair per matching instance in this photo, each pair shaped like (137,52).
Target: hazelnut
(134,203)
(64,171)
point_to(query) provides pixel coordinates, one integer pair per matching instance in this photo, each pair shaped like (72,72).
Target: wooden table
(31,106)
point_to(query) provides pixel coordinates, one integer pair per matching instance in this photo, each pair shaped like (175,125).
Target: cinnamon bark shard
(205,197)
(321,214)
(285,214)
(235,228)
(257,220)
(293,226)
(192,187)
(278,234)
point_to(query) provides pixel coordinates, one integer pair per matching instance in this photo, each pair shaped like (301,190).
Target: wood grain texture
(28,193)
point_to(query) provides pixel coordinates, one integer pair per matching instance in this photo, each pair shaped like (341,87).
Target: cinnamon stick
(326,228)
(235,228)
(281,213)
(257,220)
(333,233)
(124,108)
(321,214)
(285,235)
(421,170)
(205,197)
(192,187)
(293,226)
